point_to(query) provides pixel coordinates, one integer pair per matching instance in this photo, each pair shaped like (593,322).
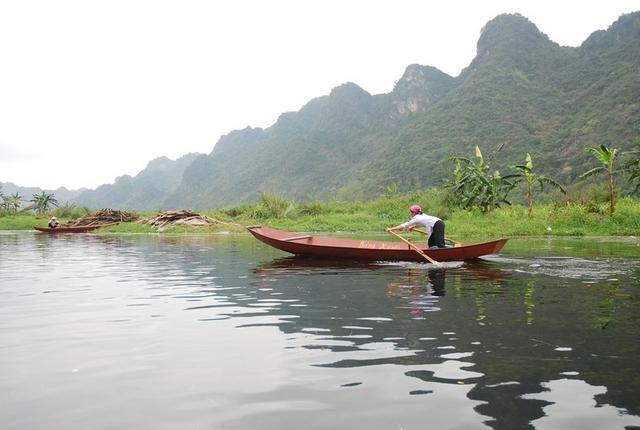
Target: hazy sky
(90,90)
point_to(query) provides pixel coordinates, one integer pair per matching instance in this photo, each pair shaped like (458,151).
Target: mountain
(143,191)
(313,152)
(521,93)
(524,93)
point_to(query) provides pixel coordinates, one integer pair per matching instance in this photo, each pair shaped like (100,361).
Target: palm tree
(12,202)
(16,201)
(43,202)
(606,157)
(526,174)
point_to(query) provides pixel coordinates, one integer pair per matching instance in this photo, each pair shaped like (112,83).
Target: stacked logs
(181,217)
(104,216)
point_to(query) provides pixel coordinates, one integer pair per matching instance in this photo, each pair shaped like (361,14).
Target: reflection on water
(567,399)
(222,332)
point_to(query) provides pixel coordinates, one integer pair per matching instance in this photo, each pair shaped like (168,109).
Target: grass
(554,219)
(23,222)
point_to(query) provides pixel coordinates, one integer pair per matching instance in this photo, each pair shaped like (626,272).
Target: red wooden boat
(323,246)
(72,229)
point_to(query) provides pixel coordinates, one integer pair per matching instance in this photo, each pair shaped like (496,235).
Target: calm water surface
(221,332)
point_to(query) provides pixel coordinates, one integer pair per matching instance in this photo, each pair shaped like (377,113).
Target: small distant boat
(332,247)
(72,229)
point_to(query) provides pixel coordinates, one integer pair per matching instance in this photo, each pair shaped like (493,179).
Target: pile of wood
(104,216)
(181,217)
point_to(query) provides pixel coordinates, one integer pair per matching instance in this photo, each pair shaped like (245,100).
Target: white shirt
(426,221)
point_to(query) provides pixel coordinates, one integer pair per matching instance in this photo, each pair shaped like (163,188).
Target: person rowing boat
(434,226)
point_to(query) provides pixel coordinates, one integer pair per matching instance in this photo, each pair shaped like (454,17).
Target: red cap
(415,209)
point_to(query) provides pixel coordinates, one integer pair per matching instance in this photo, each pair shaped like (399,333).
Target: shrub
(71,211)
(313,209)
(275,206)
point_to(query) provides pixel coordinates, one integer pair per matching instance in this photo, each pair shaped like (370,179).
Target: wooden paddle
(416,249)
(455,242)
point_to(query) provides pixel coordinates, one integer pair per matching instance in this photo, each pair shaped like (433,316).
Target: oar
(416,249)
(455,242)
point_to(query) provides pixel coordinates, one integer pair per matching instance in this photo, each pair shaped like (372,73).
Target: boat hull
(330,247)
(77,229)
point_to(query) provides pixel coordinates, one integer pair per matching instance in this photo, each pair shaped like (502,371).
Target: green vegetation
(554,219)
(632,166)
(474,185)
(568,218)
(11,202)
(22,221)
(71,211)
(524,173)
(607,157)
(43,202)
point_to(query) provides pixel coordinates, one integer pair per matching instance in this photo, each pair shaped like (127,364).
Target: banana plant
(607,157)
(475,185)
(11,202)
(524,173)
(43,202)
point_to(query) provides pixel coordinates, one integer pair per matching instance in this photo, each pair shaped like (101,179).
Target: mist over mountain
(521,93)
(61,194)
(143,191)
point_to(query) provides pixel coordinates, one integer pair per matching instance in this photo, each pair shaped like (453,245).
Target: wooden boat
(72,229)
(332,247)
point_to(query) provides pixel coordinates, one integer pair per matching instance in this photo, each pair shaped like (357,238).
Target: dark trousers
(437,235)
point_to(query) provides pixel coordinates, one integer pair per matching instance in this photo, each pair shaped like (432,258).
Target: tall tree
(524,173)
(607,157)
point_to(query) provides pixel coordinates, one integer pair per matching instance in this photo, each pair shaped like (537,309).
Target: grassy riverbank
(571,219)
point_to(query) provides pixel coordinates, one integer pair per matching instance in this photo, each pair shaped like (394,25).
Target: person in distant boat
(53,222)
(434,226)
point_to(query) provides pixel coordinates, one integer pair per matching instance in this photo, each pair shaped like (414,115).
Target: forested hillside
(528,94)
(311,153)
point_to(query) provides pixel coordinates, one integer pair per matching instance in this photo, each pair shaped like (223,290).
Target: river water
(222,332)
